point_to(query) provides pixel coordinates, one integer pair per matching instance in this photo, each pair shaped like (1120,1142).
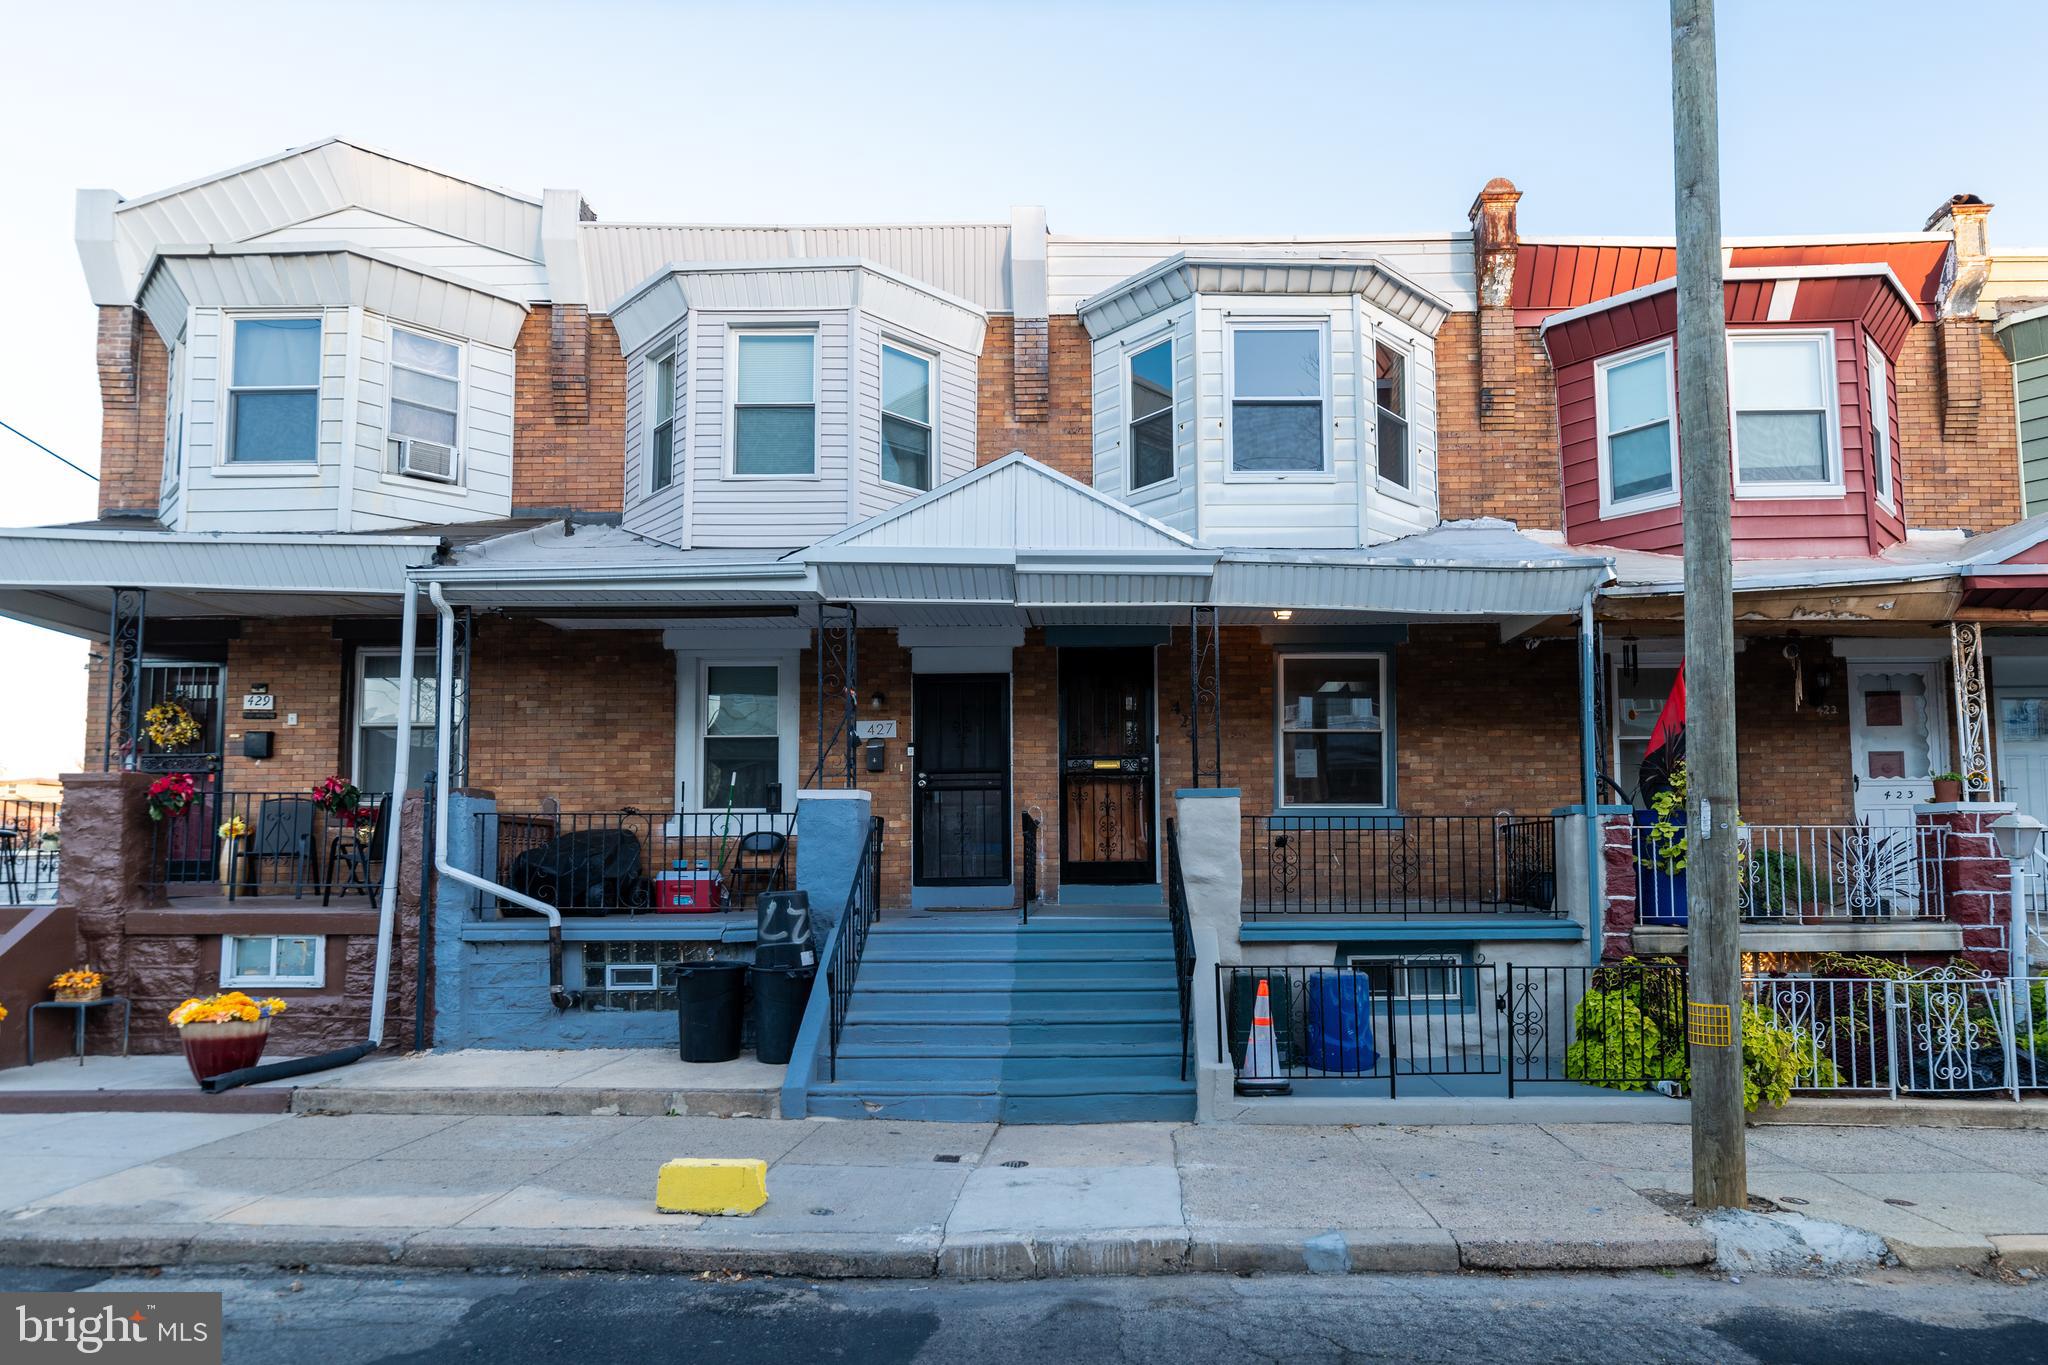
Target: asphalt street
(280,1318)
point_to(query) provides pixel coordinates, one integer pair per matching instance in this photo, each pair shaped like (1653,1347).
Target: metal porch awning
(61,578)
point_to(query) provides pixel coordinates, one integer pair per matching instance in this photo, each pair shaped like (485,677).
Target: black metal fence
(239,843)
(29,838)
(850,941)
(1183,941)
(1443,1027)
(1030,823)
(1399,865)
(632,862)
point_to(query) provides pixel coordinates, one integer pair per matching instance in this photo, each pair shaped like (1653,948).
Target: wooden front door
(1107,741)
(962,811)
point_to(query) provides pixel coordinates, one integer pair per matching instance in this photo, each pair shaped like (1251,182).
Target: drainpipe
(387,911)
(1589,775)
(445,726)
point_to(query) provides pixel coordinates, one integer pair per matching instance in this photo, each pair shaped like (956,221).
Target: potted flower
(344,800)
(1948,788)
(233,830)
(169,795)
(1660,855)
(77,985)
(224,1032)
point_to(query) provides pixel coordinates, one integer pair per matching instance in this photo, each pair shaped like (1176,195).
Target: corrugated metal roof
(1481,568)
(225,561)
(1555,275)
(967,259)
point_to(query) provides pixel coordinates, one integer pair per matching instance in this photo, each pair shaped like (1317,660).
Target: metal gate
(962,812)
(188,841)
(1106,744)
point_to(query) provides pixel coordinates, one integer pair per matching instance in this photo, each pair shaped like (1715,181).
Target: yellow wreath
(169,725)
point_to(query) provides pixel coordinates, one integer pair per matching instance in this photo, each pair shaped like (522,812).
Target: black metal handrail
(254,843)
(850,935)
(1306,864)
(29,833)
(1183,941)
(1030,863)
(630,861)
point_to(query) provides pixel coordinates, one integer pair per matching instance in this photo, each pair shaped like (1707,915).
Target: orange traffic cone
(1260,1074)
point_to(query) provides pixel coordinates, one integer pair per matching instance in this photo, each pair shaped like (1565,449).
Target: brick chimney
(1494,243)
(1031,339)
(1967,218)
(569,316)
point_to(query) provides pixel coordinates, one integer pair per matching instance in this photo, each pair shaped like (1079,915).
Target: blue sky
(1137,117)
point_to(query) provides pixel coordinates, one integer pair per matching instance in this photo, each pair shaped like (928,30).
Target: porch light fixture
(2018,834)
(1283,614)
(877,699)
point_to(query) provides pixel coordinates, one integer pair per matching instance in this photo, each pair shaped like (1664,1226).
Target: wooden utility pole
(1720,1167)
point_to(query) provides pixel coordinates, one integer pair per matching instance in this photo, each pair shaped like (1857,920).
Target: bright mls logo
(164,1329)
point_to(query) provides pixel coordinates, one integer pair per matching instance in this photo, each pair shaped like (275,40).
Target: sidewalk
(865,1199)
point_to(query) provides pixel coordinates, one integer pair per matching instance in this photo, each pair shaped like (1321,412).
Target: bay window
(775,405)
(1781,391)
(274,391)
(1638,457)
(1390,370)
(906,418)
(1150,433)
(1277,422)
(1333,730)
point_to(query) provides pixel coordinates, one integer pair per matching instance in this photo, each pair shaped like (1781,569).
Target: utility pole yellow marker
(1708,1025)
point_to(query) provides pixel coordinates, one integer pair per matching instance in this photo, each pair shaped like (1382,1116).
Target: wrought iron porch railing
(1030,823)
(850,937)
(1303,864)
(1816,874)
(29,838)
(1183,941)
(271,843)
(634,862)
(1467,1027)
(1936,1032)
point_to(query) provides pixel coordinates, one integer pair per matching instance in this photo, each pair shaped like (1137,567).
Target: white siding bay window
(1878,404)
(775,407)
(1390,396)
(1781,389)
(1635,401)
(1333,730)
(1278,418)
(661,443)
(274,391)
(907,445)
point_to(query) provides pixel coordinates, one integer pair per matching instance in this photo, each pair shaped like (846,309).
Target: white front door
(1897,738)
(2023,748)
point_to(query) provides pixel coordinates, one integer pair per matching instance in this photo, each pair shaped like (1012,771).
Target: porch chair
(757,862)
(360,859)
(284,829)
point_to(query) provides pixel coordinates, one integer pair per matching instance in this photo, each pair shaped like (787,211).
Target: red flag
(1667,745)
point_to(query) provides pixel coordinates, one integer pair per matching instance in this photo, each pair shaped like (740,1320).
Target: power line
(47,451)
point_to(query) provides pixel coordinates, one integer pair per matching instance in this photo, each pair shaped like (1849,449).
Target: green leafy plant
(1778,882)
(1667,834)
(1629,1032)
(1946,777)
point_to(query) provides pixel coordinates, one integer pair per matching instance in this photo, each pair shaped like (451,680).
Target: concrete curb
(917,1256)
(537,1102)
(1878,1112)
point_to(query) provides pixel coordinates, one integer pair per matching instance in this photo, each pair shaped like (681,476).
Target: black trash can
(711,1009)
(780,995)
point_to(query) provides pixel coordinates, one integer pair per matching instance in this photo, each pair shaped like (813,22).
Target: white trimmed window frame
(692,668)
(1878,404)
(231,979)
(1610,506)
(1318,323)
(668,358)
(392,472)
(1400,964)
(424,666)
(930,360)
(1281,730)
(734,335)
(1372,340)
(224,436)
(1132,349)
(1823,340)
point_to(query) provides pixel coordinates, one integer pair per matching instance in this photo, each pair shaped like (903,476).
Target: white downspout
(444,720)
(394,809)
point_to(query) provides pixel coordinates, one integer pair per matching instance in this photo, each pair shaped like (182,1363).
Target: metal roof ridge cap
(670,269)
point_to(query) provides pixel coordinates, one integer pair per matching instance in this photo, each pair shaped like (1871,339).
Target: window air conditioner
(426,460)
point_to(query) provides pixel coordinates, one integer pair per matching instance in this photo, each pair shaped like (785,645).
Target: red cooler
(688,893)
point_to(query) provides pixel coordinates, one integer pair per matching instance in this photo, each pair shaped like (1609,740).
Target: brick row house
(1354,560)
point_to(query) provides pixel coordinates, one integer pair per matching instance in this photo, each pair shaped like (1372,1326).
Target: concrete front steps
(1071,1019)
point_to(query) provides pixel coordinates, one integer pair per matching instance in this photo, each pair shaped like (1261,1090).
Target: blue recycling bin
(1339,1017)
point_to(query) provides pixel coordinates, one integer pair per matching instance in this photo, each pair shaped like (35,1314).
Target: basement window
(273,960)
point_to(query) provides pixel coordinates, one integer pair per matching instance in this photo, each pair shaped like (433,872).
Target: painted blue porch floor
(1072,1018)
